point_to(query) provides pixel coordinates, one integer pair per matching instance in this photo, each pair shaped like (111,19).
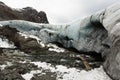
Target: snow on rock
(28,76)
(34,37)
(69,73)
(95,74)
(1,25)
(53,47)
(56,50)
(2,67)
(4,43)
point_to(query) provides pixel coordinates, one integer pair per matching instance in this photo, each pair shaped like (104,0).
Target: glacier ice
(74,35)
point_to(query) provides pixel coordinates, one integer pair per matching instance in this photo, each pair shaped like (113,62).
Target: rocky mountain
(28,13)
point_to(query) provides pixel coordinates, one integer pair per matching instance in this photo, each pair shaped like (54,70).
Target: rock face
(28,13)
(28,45)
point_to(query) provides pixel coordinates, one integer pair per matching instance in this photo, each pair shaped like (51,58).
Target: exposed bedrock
(27,13)
(28,45)
(96,33)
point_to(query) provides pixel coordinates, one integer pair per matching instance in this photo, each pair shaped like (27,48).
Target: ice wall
(82,35)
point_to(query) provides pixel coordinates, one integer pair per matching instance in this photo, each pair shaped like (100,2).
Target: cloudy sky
(63,11)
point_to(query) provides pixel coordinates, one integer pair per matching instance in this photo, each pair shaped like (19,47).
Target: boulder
(28,45)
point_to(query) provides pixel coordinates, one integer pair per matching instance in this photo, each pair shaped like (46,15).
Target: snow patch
(73,73)
(28,76)
(4,43)
(95,74)
(2,67)
(1,25)
(42,44)
(55,48)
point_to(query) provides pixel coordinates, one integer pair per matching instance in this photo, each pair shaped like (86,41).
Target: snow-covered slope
(64,73)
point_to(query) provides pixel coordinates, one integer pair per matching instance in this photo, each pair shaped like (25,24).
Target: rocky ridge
(27,13)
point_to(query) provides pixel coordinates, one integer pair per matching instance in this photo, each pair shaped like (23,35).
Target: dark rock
(8,32)
(28,45)
(28,13)
(42,16)
(46,76)
(10,75)
(1,51)
(21,68)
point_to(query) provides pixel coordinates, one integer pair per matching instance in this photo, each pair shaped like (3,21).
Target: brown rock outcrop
(28,45)
(28,13)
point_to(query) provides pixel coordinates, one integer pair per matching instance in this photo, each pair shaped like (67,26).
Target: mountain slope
(28,13)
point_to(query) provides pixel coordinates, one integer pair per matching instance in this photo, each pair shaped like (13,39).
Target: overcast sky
(62,11)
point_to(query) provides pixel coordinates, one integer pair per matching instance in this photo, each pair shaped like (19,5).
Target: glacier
(71,35)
